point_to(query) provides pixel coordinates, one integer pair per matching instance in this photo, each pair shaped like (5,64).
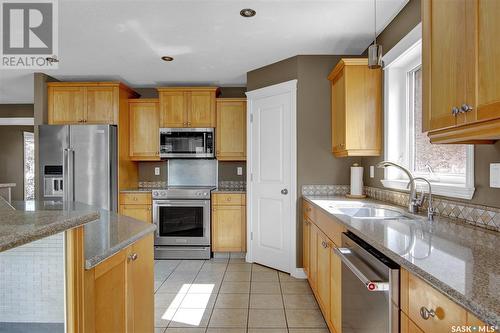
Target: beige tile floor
(231,296)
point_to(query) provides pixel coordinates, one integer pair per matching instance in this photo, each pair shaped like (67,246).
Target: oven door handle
(362,271)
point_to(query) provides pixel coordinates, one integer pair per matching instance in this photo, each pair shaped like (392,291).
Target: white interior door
(271,164)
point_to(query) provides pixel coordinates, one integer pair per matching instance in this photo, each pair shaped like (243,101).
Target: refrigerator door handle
(68,174)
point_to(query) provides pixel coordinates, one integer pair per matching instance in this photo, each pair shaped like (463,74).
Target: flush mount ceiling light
(167,58)
(53,59)
(375,50)
(247,12)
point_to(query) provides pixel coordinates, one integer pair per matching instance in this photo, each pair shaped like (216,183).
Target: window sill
(446,190)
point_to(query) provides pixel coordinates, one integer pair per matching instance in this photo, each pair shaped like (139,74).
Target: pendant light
(375,50)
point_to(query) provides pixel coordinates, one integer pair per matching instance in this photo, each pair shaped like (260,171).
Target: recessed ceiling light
(247,12)
(52,59)
(167,58)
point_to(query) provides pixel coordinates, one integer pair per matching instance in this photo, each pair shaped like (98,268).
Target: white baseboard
(298,273)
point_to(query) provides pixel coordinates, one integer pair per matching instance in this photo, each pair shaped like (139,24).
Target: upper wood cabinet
(356,108)
(85,102)
(187,106)
(461,70)
(231,133)
(144,129)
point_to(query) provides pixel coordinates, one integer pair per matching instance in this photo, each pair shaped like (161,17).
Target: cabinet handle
(135,199)
(189,123)
(426,313)
(133,257)
(228,199)
(455,111)
(466,108)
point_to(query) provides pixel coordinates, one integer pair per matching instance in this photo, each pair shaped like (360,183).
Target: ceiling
(211,43)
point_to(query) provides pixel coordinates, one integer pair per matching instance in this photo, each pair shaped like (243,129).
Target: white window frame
(444,185)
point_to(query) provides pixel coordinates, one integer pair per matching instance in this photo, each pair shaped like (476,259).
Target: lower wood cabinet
(228,222)
(323,245)
(323,268)
(335,292)
(419,299)
(118,294)
(136,205)
(306,232)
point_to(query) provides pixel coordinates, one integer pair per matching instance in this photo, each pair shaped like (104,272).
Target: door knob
(284,191)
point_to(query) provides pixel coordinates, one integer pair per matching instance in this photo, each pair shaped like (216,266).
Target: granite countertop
(460,260)
(111,234)
(138,189)
(229,190)
(27,221)
(105,232)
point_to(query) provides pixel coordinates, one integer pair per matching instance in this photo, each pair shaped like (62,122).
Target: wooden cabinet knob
(426,313)
(133,257)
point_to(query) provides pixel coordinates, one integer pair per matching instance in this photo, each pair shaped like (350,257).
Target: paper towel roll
(356,180)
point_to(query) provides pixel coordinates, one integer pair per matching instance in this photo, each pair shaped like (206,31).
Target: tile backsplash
(481,216)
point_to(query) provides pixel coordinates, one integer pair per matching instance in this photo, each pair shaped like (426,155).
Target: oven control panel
(182,193)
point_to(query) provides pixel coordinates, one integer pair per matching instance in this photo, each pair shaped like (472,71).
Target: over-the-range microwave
(187,143)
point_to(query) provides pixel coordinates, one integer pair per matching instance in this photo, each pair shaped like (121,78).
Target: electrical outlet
(239,171)
(157,171)
(495,175)
(372,171)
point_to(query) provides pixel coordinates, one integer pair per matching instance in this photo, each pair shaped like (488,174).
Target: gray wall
(315,162)
(225,92)
(227,171)
(405,21)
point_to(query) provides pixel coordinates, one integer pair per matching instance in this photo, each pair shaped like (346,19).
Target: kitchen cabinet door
(173,108)
(144,130)
(447,313)
(323,280)
(444,61)
(141,286)
(338,114)
(313,256)
(201,108)
(356,106)
(231,134)
(407,326)
(228,229)
(139,212)
(485,34)
(66,105)
(109,294)
(102,105)
(306,227)
(335,292)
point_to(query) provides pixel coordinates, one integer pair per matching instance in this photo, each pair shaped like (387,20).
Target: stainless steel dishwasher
(370,288)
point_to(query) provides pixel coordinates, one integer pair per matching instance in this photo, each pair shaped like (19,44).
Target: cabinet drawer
(131,198)
(309,210)
(228,199)
(422,296)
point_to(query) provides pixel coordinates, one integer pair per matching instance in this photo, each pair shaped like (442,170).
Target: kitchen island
(72,261)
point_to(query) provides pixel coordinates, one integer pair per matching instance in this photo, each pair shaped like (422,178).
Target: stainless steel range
(182,218)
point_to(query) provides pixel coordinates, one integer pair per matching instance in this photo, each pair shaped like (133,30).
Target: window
(450,168)
(29,166)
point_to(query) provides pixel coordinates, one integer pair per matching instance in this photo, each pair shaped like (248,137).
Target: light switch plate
(372,171)
(495,175)
(239,171)
(157,171)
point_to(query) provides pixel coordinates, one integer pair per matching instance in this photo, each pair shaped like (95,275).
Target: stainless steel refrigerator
(79,163)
